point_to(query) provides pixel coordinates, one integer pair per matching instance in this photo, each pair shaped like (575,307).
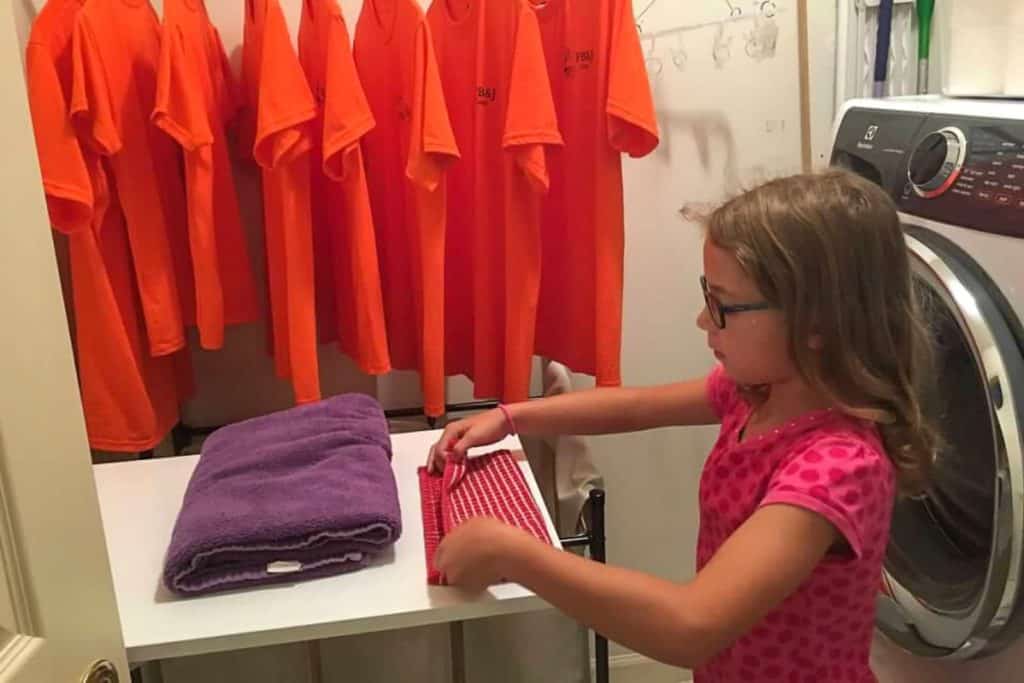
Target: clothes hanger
(640,16)
(679,56)
(721,52)
(654,64)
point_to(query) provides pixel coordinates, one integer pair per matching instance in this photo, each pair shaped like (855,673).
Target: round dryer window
(953,569)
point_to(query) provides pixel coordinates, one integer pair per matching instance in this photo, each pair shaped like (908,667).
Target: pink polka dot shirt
(835,466)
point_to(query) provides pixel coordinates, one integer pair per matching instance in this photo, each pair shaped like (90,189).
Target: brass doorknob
(101,671)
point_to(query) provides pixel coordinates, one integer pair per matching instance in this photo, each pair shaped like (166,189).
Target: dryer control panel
(960,170)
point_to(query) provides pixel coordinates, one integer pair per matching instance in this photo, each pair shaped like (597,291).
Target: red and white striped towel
(491,485)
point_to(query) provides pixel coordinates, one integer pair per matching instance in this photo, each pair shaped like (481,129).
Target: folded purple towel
(298,494)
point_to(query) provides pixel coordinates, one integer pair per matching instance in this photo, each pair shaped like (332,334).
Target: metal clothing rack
(593,539)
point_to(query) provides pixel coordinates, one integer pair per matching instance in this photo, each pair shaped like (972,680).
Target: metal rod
(597,537)
(597,552)
(580,541)
(180,437)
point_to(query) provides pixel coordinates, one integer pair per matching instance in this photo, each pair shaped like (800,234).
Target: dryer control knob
(937,162)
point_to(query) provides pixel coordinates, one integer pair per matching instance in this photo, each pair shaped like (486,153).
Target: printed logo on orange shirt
(485,95)
(577,60)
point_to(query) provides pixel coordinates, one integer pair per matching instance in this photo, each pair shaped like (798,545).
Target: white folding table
(140,502)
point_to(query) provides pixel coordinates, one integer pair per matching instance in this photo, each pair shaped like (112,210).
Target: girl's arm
(616,410)
(681,624)
(597,411)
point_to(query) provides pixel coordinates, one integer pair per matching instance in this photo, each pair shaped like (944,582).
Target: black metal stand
(594,540)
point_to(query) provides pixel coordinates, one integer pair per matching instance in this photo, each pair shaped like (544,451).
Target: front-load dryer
(952,586)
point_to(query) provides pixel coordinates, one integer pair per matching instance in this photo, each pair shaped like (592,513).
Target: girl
(811,315)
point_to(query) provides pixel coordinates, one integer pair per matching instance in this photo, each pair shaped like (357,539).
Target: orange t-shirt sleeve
(632,125)
(91,108)
(69,195)
(347,115)
(530,120)
(285,101)
(180,109)
(432,143)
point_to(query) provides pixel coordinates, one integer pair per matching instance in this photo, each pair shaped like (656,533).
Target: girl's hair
(827,248)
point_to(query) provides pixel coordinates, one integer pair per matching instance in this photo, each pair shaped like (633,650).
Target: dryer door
(953,567)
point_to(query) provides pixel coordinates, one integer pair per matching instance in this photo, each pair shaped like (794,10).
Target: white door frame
(58,613)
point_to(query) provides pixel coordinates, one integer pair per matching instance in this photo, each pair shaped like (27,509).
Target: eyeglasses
(717,310)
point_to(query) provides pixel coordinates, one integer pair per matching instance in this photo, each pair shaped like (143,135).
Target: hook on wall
(679,56)
(653,63)
(721,51)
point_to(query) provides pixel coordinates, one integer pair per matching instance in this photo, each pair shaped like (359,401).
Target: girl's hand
(458,437)
(477,553)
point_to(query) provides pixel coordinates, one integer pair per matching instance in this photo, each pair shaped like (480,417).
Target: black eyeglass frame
(712,304)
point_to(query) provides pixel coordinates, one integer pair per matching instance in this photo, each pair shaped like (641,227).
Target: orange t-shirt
(195,100)
(496,84)
(406,156)
(601,92)
(115,48)
(129,399)
(350,309)
(277,130)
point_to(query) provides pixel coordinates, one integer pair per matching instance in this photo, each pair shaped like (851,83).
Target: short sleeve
(632,125)
(285,100)
(180,110)
(91,109)
(431,142)
(66,182)
(347,116)
(847,481)
(530,119)
(721,391)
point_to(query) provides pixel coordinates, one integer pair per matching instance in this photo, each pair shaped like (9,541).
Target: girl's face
(753,347)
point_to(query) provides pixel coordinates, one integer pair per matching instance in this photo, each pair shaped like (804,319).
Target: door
(58,614)
(954,565)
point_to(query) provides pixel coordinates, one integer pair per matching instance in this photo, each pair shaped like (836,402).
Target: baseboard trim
(634,668)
